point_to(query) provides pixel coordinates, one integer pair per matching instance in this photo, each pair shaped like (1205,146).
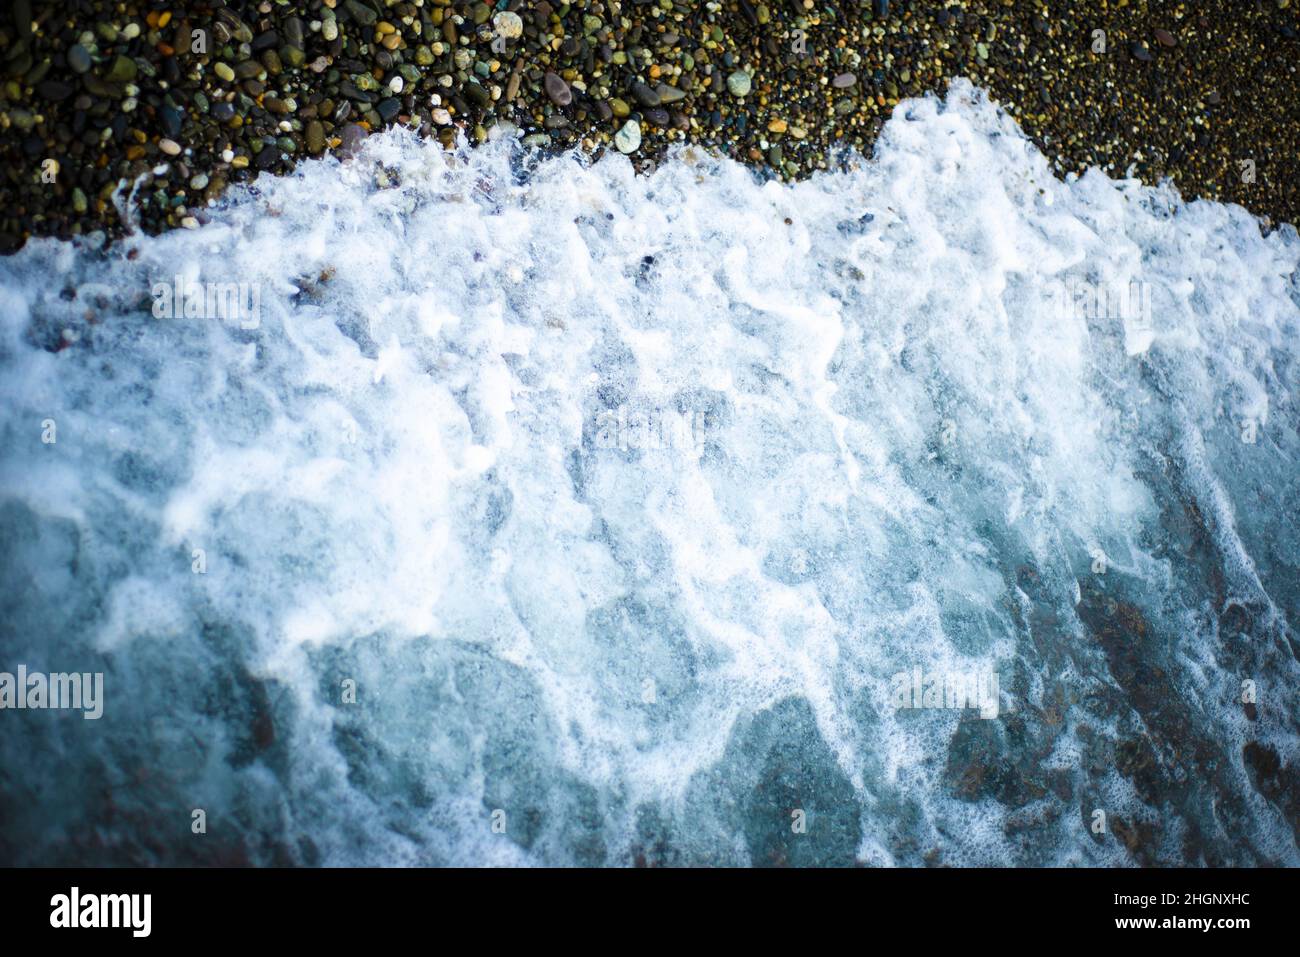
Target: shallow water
(621,503)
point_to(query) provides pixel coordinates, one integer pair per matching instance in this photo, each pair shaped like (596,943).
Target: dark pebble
(54,90)
(644,95)
(352,137)
(78,58)
(362,13)
(557,90)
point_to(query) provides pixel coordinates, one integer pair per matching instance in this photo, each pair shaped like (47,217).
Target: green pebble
(739,83)
(123,70)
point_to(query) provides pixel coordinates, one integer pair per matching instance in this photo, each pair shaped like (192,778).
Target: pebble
(123,70)
(170,147)
(844,81)
(557,90)
(644,95)
(361,13)
(78,58)
(739,83)
(509,25)
(669,94)
(315,137)
(628,138)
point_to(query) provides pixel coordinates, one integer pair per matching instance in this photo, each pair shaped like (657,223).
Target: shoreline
(195,100)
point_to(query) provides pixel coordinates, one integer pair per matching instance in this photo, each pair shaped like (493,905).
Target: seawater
(369,586)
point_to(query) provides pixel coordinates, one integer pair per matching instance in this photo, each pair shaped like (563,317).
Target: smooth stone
(844,81)
(78,58)
(628,138)
(352,136)
(361,13)
(669,94)
(739,83)
(509,25)
(171,120)
(644,95)
(123,70)
(557,90)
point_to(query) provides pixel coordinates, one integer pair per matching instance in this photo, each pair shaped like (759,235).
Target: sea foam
(411,570)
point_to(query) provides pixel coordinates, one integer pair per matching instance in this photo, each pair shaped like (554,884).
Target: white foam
(403,448)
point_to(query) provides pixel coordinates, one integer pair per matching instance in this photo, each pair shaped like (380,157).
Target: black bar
(335,907)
